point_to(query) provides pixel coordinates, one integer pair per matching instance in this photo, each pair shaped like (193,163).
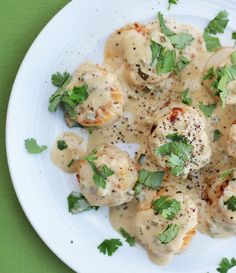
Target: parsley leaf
(129,239)
(78,203)
(100,174)
(178,152)
(168,207)
(212,43)
(172,2)
(216,135)
(109,246)
(180,40)
(226,264)
(219,23)
(33,147)
(59,79)
(169,234)
(61,145)
(207,109)
(226,174)
(231,203)
(211,73)
(185,97)
(234,37)
(181,64)
(148,179)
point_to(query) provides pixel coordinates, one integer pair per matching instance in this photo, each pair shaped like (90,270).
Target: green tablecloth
(21,250)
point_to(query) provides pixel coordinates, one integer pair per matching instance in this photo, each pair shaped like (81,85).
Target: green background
(21,250)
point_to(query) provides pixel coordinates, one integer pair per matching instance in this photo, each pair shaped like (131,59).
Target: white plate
(75,34)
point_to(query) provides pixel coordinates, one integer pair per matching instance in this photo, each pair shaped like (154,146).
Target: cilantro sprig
(207,109)
(168,234)
(110,246)
(180,40)
(61,144)
(129,239)
(178,151)
(148,179)
(231,203)
(33,147)
(185,97)
(226,264)
(181,64)
(217,25)
(100,174)
(167,206)
(77,203)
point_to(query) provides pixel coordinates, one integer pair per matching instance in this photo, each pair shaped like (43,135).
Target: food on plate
(106,176)
(180,141)
(166,93)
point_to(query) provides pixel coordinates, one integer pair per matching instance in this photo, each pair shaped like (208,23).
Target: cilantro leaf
(233,58)
(178,152)
(211,73)
(168,207)
(185,97)
(219,23)
(61,145)
(180,40)
(100,174)
(207,109)
(169,234)
(129,239)
(172,2)
(70,163)
(225,174)
(226,264)
(78,203)
(231,203)
(59,79)
(212,43)
(79,94)
(148,179)
(156,51)
(216,135)
(166,62)
(234,37)
(165,30)
(181,64)
(33,147)
(109,246)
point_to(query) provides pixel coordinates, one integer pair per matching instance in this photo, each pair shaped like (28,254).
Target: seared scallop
(221,197)
(231,142)
(132,45)
(107,176)
(221,59)
(105,101)
(180,141)
(151,228)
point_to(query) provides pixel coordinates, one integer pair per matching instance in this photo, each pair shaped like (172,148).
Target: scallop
(188,123)
(115,178)
(105,101)
(149,225)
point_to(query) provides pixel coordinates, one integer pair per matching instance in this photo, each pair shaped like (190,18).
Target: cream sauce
(67,159)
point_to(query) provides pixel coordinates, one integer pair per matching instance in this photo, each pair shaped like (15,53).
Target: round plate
(75,34)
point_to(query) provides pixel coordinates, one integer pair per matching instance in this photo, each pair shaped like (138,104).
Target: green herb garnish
(207,109)
(172,2)
(148,179)
(59,79)
(231,203)
(33,147)
(226,264)
(61,145)
(226,174)
(169,234)
(234,37)
(70,163)
(129,239)
(180,40)
(185,97)
(100,174)
(211,73)
(78,203)
(167,206)
(181,64)
(178,151)
(216,135)
(109,246)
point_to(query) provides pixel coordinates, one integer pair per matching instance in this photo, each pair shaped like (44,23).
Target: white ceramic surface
(75,34)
